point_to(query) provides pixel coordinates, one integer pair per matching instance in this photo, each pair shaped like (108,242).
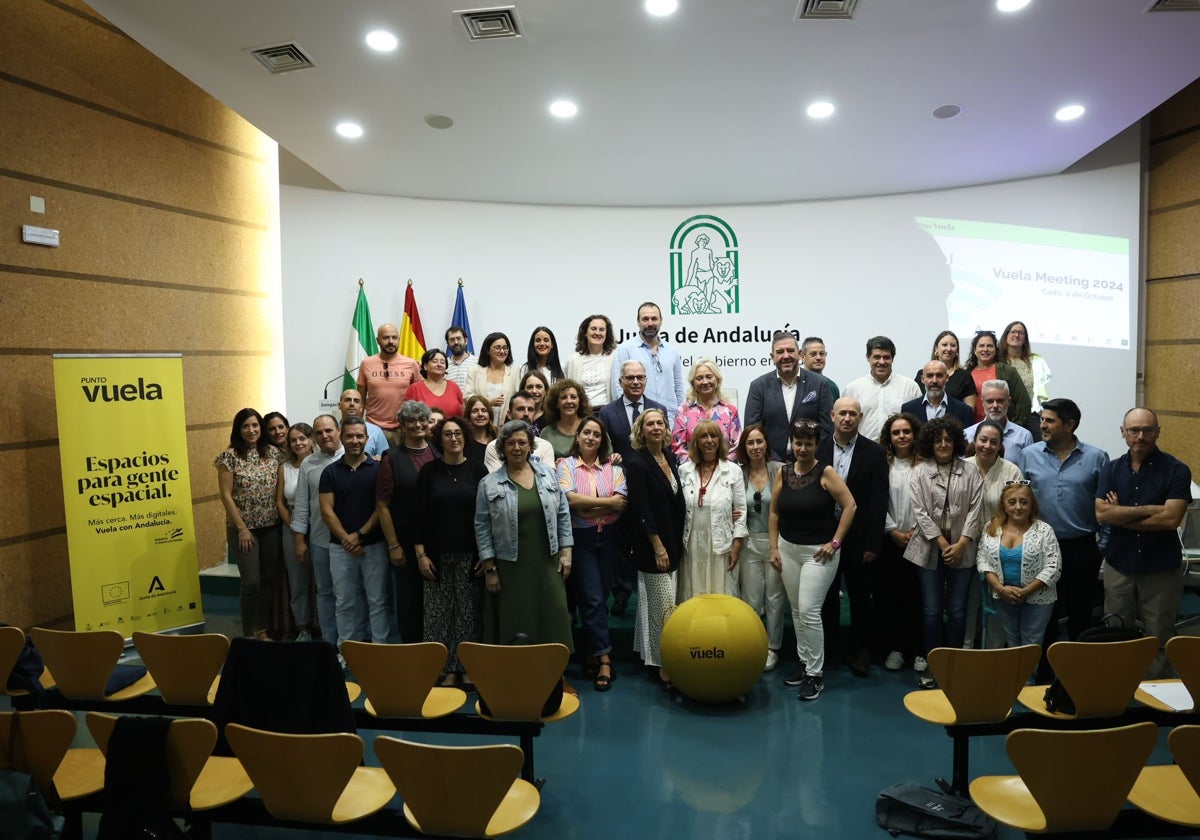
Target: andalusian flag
(412,337)
(459,318)
(362,340)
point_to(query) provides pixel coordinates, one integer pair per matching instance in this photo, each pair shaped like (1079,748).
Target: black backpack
(921,812)
(1056,698)
(27,672)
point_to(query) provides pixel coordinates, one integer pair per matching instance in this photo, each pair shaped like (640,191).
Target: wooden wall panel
(66,142)
(1179,113)
(1174,307)
(167,203)
(1173,243)
(116,240)
(1173,167)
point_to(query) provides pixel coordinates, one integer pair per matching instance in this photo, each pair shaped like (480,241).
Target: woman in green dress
(523,531)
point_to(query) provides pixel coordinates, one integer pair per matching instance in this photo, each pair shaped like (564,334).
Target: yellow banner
(127,493)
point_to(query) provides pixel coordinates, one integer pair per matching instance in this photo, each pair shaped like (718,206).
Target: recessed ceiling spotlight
(438,121)
(1011,5)
(382,40)
(1069,112)
(661,8)
(946,112)
(564,109)
(350,130)
(820,110)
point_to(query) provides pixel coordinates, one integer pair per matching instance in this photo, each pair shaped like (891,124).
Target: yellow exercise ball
(714,648)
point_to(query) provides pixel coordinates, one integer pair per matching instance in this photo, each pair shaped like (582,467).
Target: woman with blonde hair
(704,401)
(715,522)
(1021,561)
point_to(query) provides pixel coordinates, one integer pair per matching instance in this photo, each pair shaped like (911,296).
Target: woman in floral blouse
(247,475)
(705,402)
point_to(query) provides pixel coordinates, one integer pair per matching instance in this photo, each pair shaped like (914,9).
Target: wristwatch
(836,545)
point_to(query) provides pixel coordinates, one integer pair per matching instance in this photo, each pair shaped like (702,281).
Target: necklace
(704,482)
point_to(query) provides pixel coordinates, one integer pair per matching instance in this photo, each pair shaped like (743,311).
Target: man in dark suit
(618,415)
(617,418)
(862,463)
(936,402)
(789,394)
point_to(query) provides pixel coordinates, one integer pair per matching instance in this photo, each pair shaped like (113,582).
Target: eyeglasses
(658,368)
(1147,431)
(758,501)
(806,425)
(450,435)
(503,347)
(1017,482)
(386,373)
(635,378)
(978,333)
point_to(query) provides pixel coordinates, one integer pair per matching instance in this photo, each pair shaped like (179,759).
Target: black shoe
(811,688)
(620,604)
(797,676)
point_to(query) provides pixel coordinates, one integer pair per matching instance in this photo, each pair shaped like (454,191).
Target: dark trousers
(1078,587)
(897,603)
(409,591)
(854,577)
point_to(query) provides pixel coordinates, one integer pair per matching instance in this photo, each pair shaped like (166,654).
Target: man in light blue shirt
(664,368)
(996,398)
(1064,472)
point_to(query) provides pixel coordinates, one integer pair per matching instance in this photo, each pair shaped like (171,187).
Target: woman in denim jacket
(523,530)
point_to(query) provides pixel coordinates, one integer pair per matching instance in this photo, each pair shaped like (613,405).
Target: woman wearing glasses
(495,379)
(806,534)
(983,366)
(715,523)
(761,583)
(445,545)
(1014,350)
(1021,561)
(704,402)
(947,502)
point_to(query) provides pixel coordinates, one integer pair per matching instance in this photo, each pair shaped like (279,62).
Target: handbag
(23,812)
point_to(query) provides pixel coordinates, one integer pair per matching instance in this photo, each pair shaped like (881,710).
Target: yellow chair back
(982,685)
(1101,677)
(42,739)
(183,667)
(514,679)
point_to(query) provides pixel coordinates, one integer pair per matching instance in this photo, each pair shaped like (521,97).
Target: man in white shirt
(459,362)
(882,392)
(996,397)
(520,407)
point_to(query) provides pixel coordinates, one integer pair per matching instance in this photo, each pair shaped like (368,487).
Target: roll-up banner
(127,492)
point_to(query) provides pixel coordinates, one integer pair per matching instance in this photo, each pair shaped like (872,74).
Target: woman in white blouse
(591,363)
(495,379)
(897,588)
(714,525)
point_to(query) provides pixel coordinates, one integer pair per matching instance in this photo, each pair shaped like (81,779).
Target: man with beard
(789,394)
(383,381)
(936,402)
(664,368)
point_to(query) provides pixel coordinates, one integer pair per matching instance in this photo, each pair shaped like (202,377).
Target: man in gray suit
(789,394)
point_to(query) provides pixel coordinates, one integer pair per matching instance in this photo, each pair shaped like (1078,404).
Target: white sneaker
(772,660)
(894,661)
(920,665)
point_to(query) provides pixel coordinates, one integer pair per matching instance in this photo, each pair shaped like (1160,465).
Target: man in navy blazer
(617,418)
(862,464)
(806,392)
(619,414)
(936,402)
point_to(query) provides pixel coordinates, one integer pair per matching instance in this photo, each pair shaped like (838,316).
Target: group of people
(506,500)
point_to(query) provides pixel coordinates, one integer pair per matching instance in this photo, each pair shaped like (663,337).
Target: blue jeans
(1024,624)
(318,556)
(945,589)
(353,576)
(595,564)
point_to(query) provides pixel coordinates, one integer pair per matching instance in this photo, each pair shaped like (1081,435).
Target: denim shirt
(496,513)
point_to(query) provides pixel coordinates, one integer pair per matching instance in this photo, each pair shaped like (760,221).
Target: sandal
(665,681)
(603,682)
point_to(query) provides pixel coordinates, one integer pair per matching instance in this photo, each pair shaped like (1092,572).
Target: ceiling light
(382,40)
(350,130)
(661,8)
(1011,5)
(440,121)
(1069,112)
(820,110)
(946,112)
(564,109)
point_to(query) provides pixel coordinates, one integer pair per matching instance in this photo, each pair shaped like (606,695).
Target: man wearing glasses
(383,381)
(1143,496)
(815,357)
(663,367)
(618,415)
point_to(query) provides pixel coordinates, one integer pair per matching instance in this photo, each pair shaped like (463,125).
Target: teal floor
(637,762)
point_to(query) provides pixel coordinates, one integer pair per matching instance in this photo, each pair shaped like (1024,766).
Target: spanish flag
(412,337)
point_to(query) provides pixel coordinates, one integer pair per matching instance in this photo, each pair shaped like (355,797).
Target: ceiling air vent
(1174,6)
(485,24)
(826,9)
(283,58)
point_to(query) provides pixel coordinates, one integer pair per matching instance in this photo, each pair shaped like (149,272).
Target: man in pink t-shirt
(383,381)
